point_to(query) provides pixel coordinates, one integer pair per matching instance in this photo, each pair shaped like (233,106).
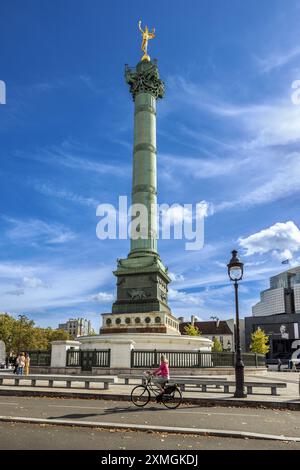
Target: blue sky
(228,133)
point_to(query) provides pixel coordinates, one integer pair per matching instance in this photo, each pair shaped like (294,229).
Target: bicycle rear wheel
(172,400)
(140,396)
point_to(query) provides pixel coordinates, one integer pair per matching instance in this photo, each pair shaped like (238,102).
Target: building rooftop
(209,327)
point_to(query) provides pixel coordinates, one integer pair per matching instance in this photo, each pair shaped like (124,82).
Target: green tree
(92,332)
(192,330)
(7,327)
(57,335)
(259,342)
(23,335)
(217,346)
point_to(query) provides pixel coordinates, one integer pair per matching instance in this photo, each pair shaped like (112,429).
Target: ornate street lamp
(235,273)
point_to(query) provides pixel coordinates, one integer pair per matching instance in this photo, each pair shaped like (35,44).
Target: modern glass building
(278,315)
(283,296)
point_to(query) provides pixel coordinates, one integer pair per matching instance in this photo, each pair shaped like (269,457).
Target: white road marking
(7,403)
(221,414)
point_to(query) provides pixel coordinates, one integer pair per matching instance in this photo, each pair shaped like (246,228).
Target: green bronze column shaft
(146,87)
(144,184)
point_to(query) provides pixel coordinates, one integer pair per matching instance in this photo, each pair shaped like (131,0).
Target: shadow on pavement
(75,416)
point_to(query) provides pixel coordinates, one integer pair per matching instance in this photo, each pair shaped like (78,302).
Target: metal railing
(40,358)
(94,358)
(101,358)
(73,358)
(193,359)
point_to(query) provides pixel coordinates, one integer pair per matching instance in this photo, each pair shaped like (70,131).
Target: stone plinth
(140,322)
(59,352)
(122,344)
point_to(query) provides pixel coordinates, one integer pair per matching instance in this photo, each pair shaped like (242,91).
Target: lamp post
(9,341)
(21,319)
(235,273)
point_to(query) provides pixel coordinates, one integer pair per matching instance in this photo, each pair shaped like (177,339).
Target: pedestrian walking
(21,363)
(27,364)
(15,364)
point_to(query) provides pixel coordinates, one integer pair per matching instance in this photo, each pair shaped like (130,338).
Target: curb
(143,428)
(285,405)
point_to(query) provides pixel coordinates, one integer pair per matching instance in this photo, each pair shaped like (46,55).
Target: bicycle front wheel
(172,400)
(140,395)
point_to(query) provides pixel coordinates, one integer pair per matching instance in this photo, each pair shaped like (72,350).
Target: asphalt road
(277,422)
(48,437)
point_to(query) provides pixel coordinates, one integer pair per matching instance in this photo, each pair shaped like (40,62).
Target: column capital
(145,79)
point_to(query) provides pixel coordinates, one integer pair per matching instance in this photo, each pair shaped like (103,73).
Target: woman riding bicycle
(162,376)
(169,395)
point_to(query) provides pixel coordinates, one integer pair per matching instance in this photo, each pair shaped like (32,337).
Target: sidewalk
(287,398)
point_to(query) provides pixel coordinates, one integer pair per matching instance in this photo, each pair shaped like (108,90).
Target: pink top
(163,370)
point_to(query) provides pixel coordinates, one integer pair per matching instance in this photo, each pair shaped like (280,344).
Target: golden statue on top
(146,35)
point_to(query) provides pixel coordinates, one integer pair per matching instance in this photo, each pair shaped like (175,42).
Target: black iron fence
(193,359)
(86,359)
(40,358)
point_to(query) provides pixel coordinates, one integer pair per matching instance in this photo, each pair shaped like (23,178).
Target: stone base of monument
(140,322)
(121,345)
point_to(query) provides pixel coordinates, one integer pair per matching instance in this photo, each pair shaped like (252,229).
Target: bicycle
(141,394)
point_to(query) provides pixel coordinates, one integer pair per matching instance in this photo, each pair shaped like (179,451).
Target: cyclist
(163,376)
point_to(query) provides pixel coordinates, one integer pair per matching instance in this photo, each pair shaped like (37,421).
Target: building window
(118,321)
(148,320)
(137,320)
(157,319)
(127,320)
(108,321)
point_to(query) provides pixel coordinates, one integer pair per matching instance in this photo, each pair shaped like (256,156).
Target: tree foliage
(217,346)
(22,334)
(259,342)
(192,330)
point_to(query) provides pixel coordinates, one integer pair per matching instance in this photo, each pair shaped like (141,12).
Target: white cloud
(66,286)
(273,122)
(64,194)
(176,296)
(282,239)
(36,230)
(176,277)
(102,297)
(67,155)
(276,124)
(269,186)
(274,61)
(15,270)
(179,214)
(200,168)
(31,282)
(267,131)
